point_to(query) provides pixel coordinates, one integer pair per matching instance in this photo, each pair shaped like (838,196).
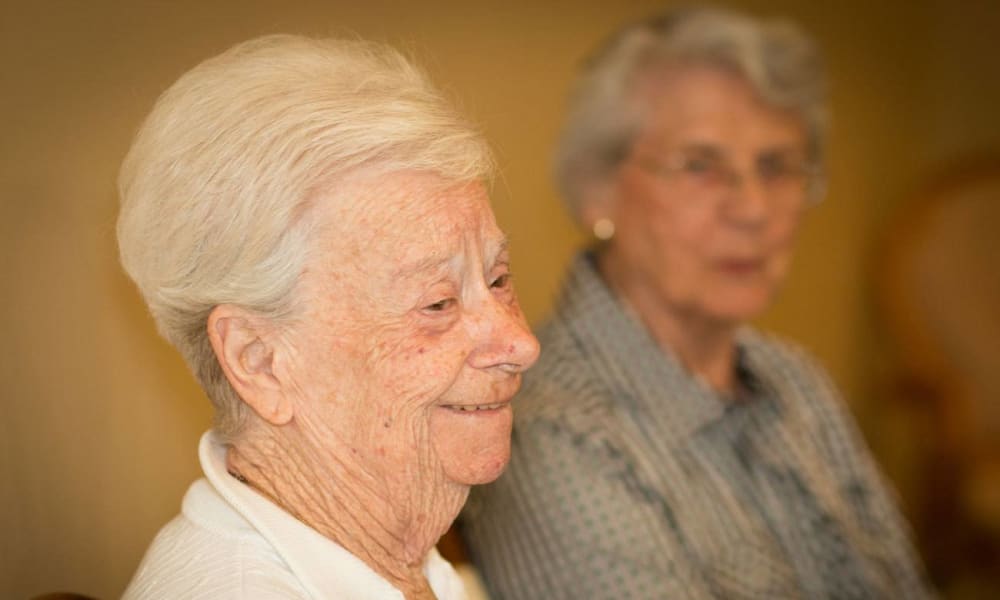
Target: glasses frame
(678,164)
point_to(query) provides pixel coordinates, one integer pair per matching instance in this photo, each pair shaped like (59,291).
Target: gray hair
(775,57)
(215,186)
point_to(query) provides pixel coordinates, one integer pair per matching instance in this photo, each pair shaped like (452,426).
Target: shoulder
(210,551)
(791,372)
(771,353)
(810,398)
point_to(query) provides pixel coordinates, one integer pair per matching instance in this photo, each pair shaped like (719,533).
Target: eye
(501,282)
(773,167)
(502,286)
(710,170)
(699,166)
(440,305)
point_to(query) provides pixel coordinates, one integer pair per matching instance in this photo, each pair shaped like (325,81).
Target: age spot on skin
(387,423)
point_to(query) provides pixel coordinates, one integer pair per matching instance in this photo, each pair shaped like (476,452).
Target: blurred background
(896,286)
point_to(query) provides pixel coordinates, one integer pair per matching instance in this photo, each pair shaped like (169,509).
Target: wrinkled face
(412,342)
(707,204)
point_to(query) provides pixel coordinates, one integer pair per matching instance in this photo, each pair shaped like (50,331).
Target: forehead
(707,104)
(385,220)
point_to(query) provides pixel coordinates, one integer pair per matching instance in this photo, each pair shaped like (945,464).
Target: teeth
(475,407)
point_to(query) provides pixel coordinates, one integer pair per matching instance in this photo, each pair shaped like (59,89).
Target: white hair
(605,115)
(219,176)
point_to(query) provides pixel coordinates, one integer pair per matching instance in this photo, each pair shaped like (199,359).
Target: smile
(474,407)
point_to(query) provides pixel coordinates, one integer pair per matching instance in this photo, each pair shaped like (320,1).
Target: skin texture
(406,310)
(694,265)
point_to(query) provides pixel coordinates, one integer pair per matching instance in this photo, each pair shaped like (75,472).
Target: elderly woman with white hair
(309,225)
(663,448)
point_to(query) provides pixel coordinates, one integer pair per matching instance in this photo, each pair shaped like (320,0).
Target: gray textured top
(630,478)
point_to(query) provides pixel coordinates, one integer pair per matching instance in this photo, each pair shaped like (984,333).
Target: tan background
(100,419)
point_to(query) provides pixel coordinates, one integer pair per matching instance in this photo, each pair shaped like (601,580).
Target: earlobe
(247,360)
(597,213)
(599,204)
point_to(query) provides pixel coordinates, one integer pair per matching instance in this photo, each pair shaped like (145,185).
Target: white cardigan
(229,542)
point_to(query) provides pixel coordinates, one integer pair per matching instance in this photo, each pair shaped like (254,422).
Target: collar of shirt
(634,366)
(325,569)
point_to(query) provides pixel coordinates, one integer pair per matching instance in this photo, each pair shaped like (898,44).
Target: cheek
(779,263)
(377,383)
(781,241)
(419,371)
(401,391)
(649,231)
(680,247)
(784,229)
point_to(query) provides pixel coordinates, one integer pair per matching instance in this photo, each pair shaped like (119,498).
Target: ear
(246,356)
(599,201)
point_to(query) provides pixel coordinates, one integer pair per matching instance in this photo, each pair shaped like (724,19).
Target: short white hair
(605,114)
(217,180)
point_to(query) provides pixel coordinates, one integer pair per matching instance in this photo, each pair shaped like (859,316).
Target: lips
(739,266)
(474,407)
(482,400)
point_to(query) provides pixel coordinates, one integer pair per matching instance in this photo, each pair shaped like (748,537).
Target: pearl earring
(604,229)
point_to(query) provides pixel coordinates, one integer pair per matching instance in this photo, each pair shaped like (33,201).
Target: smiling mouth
(741,265)
(474,407)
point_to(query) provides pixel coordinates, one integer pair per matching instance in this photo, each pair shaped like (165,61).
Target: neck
(706,347)
(334,494)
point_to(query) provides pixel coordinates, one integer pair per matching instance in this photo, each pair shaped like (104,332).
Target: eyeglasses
(788,179)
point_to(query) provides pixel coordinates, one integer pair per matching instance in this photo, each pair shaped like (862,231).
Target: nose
(747,202)
(503,339)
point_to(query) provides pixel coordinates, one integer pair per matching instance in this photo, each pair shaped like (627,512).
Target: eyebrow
(427,264)
(498,246)
(437,262)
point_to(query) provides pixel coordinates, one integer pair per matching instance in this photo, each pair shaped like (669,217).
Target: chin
(473,451)
(479,477)
(741,305)
(486,471)
(739,315)
(476,470)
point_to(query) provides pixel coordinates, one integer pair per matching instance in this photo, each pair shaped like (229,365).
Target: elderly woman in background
(308,222)
(663,448)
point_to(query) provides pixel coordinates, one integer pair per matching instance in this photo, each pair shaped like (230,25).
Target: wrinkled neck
(336,494)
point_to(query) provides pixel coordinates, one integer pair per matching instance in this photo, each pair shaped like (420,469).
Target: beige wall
(100,419)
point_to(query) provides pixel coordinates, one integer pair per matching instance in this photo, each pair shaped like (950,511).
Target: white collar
(325,569)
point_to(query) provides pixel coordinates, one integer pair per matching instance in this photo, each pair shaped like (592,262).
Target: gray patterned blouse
(629,478)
